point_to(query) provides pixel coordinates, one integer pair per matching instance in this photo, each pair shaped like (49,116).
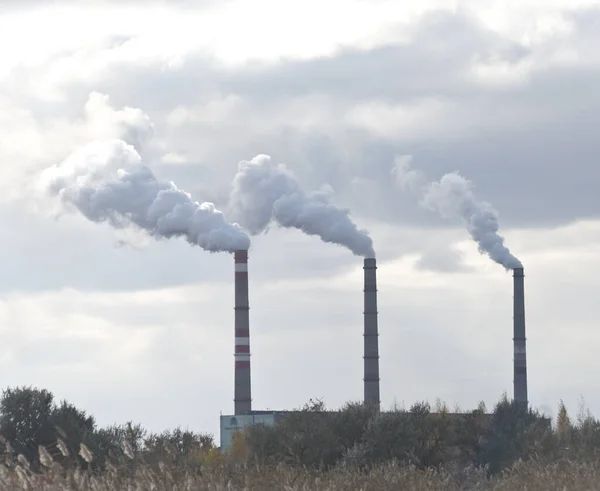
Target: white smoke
(452,196)
(129,124)
(264,192)
(106,181)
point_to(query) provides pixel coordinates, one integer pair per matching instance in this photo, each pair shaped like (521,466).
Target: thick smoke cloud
(107,182)
(452,196)
(129,124)
(264,192)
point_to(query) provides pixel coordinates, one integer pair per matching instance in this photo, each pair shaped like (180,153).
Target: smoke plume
(129,124)
(106,181)
(453,196)
(264,192)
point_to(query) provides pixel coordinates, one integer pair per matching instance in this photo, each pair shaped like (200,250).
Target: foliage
(29,418)
(357,436)
(355,447)
(226,475)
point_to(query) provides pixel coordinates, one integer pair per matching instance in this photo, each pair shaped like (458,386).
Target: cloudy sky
(131,328)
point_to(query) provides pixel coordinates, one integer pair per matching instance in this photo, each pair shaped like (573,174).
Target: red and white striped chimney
(242,394)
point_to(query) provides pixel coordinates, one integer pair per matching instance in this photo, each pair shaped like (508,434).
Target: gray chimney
(242,395)
(371,335)
(520,358)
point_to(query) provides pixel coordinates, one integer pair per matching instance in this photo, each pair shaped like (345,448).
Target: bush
(358,445)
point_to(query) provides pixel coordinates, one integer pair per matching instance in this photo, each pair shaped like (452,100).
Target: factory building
(230,424)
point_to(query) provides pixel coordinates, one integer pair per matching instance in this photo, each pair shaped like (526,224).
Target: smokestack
(371,334)
(242,396)
(520,359)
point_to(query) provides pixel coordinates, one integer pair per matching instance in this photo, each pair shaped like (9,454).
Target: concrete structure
(231,424)
(242,379)
(519,339)
(371,335)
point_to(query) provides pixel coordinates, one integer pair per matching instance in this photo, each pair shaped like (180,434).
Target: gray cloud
(389,73)
(442,260)
(506,137)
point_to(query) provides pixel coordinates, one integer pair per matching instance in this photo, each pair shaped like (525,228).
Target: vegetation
(56,446)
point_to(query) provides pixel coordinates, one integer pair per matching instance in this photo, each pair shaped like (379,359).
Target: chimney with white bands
(242,395)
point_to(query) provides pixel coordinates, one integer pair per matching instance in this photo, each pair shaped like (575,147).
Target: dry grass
(221,476)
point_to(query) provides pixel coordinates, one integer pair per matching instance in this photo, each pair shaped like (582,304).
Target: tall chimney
(371,335)
(520,358)
(242,396)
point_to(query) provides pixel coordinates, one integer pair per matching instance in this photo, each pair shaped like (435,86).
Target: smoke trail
(107,182)
(264,192)
(129,124)
(453,196)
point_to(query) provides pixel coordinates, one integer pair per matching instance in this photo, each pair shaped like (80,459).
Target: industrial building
(233,423)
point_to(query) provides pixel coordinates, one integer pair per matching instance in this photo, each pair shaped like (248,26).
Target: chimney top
(241,255)
(518,272)
(370,263)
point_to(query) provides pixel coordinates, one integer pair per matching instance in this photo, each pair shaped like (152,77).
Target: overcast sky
(130,328)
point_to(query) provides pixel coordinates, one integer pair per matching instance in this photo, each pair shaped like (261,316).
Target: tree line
(358,436)
(33,426)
